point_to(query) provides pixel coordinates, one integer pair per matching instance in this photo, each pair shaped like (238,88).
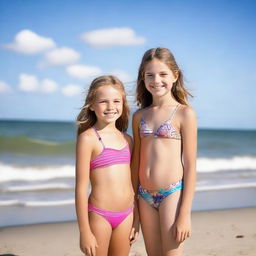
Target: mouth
(110,114)
(157,86)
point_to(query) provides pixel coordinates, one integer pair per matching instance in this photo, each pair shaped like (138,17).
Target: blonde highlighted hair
(179,92)
(87,118)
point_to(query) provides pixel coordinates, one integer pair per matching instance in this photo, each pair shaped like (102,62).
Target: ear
(91,108)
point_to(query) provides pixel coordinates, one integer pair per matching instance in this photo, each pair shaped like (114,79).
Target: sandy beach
(222,232)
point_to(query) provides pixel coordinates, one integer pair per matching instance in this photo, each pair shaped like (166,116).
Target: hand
(182,228)
(88,244)
(134,232)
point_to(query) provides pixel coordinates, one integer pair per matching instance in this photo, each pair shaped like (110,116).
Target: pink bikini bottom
(113,218)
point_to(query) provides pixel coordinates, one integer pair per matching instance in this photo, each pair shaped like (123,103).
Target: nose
(110,105)
(157,79)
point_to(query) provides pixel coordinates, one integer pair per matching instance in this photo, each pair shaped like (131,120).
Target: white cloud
(129,84)
(62,56)
(112,37)
(4,87)
(28,42)
(71,90)
(48,86)
(122,75)
(28,83)
(82,71)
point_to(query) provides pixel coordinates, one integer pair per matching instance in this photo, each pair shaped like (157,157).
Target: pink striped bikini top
(110,156)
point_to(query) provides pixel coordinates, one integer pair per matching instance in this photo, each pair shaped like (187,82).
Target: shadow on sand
(8,254)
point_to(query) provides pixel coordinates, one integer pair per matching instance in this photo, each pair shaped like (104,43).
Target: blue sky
(51,50)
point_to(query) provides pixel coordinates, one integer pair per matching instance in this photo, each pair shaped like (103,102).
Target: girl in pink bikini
(164,159)
(103,155)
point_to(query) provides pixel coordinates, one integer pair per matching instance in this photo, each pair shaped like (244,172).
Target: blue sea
(37,171)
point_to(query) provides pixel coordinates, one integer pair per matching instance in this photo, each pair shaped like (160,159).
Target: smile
(157,86)
(110,114)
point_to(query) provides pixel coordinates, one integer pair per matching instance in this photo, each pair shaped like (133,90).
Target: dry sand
(221,233)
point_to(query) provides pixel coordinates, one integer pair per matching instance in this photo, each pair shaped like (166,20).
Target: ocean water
(37,172)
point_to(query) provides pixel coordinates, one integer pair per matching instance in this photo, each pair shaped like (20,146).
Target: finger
(94,250)
(132,233)
(86,251)
(91,252)
(178,236)
(184,236)
(181,237)
(174,232)
(135,237)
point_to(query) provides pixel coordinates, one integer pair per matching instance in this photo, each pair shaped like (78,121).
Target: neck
(163,101)
(103,126)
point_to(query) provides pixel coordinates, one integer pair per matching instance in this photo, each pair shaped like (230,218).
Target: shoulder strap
(98,136)
(174,111)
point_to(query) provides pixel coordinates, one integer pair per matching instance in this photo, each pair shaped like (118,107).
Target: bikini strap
(174,111)
(98,136)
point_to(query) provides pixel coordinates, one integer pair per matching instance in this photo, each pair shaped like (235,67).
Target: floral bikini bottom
(155,198)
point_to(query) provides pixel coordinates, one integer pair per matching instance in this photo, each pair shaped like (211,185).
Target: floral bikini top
(165,130)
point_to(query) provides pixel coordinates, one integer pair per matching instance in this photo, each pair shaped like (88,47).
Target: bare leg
(150,225)
(102,232)
(120,242)
(168,212)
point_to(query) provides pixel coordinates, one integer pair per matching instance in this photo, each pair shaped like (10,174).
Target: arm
(84,147)
(189,145)
(135,173)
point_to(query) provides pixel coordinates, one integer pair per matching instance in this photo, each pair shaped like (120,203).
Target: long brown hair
(179,92)
(87,118)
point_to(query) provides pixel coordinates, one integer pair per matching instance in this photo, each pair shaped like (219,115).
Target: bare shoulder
(128,138)
(87,137)
(187,113)
(188,120)
(138,114)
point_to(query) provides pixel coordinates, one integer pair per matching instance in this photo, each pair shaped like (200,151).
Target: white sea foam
(11,173)
(226,164)
(49,143)
(226,186)
(36,203)
(37,187)
(44,203)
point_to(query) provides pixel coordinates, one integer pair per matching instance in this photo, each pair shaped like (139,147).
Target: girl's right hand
(88,244)
(135,230)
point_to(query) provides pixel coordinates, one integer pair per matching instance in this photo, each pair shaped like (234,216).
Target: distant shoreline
(74,122)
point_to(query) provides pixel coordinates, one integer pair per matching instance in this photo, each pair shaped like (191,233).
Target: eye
(102,101)
(163,74)
(149,75)
(117,101)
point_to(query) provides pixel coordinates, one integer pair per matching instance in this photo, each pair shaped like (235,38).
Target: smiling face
(108,104)
(158,78)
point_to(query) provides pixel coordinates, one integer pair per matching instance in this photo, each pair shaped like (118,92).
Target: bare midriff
(111,187)
(160,162)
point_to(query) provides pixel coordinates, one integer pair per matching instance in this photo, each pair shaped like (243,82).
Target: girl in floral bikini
(164,159)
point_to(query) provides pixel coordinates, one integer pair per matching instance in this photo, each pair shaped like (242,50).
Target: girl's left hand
(182,228)
(134,232)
